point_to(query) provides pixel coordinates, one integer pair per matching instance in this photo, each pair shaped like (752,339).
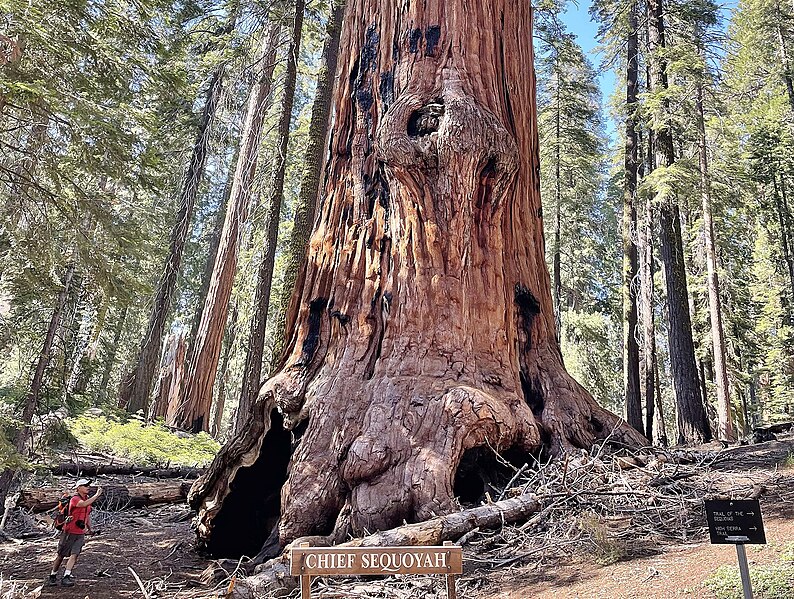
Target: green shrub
(146,445)
(788,461)
(606,549)
(775,581)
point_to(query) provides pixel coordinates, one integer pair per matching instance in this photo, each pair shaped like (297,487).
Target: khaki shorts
(70,544)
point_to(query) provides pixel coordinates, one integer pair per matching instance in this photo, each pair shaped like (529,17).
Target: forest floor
(645,536)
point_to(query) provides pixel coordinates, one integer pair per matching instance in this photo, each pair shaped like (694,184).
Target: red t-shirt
(77,513)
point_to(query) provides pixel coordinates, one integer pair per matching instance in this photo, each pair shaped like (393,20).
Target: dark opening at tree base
(252,507)
(480,471)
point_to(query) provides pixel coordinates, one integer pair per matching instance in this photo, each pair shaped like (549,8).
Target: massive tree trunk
(724,417)
(631,349)
(135,387)
(298,241)
(195,402)
(693,425)
(252,372)
(422,337)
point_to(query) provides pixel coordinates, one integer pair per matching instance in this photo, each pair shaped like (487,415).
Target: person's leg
(71,562)
(56,565)
(77,546)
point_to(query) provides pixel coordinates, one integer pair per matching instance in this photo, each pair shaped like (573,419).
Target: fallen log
(77,469)
(114,497)
(273,578)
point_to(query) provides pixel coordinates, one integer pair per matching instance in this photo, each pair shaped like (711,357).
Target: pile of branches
(603,504)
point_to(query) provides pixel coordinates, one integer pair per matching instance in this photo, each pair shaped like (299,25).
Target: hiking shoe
(67,581)
(52,580)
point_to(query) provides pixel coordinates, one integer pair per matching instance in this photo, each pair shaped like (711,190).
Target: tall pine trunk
(693,425)
(212,252)
(137,384)
(220,401)
(424,334)
(631,350)
(297,243)
(264,281)
(788,72)
(36,385)
(33,395)
(724,417)
(556,260)
(781,210)
(195,402)
(110,360)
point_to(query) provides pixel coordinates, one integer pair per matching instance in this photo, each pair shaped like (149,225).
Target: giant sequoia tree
(422,334)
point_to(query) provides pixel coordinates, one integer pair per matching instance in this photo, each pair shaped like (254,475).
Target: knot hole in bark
(427,119)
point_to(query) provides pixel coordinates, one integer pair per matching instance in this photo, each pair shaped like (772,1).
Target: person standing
(72,538)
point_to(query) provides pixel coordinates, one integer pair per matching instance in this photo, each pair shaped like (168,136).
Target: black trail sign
(735,521)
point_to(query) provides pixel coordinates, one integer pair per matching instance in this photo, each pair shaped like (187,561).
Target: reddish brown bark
(136,385)
(424,328)
(172,372)
(195,402)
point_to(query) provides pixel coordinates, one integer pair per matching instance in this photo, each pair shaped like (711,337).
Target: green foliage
(145,445)
(588,348)
(775,581)
(607,550)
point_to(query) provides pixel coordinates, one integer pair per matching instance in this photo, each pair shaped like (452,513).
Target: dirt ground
(159,551)
(679,571)
(156,544)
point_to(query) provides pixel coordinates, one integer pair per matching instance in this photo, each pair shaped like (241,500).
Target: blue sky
(577,19)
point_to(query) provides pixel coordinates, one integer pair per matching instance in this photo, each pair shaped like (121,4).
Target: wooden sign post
(736,522)
(308,561)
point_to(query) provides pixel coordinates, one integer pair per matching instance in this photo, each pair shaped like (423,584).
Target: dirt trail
(158,550)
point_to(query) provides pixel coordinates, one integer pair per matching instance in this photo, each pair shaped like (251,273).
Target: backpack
(61,512)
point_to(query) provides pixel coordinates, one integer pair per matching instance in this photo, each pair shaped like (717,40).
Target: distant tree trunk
(32,397)
(648,324)
(195,402)
(91,324)
(297,243)
(693,425)
(172,371)
(631,350)
(424,336)
(556,269)
(137,384)
(212,252)
(110,360)
(781,210)
(662,438)
(220,401)
(264,280)
(788,72)
(725,419)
